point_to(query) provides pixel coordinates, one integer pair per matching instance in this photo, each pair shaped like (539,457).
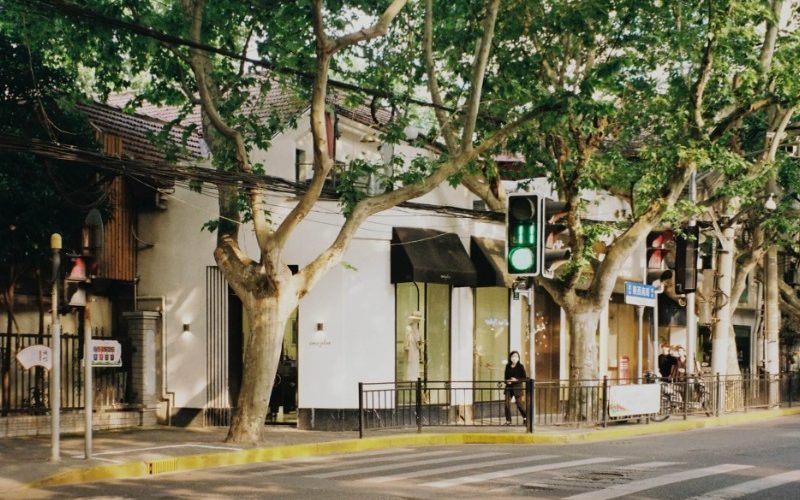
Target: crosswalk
(458,468)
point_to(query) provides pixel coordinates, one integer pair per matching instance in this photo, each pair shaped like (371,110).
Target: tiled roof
(137,133)
(279,101)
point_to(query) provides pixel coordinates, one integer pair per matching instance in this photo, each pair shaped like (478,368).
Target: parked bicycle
(672,400)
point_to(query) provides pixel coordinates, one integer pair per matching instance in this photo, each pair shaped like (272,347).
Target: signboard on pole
(640,294)
(35,355)
(106,353)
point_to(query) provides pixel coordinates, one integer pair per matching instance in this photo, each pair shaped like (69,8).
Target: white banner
(633,399)
(35,355)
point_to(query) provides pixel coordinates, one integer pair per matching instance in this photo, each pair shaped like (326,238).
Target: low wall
(73,422)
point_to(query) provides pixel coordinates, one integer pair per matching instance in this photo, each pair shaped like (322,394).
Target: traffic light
(81,268)
(686,260)
(522,234)
(660,252)
(554,247)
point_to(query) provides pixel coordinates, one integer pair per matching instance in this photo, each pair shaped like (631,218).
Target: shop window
(491,343)
(422,347)
(742,336)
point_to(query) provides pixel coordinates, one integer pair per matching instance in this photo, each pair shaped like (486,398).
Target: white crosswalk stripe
(648,465)
(395,466)
(456,468)
(654,482)
(359,461)
(488,476)
(751,487)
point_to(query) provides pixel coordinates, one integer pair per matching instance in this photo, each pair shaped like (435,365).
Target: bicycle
(37,404)
(672,399)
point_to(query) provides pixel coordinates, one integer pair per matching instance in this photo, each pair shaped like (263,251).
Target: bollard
(530,405)
(360,410)
(419,405)
(605,400)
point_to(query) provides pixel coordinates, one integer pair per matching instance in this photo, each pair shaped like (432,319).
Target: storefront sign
(106,353)
(640,294)
(629,400)
(35,355)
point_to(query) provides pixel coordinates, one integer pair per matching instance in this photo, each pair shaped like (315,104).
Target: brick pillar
(142,328)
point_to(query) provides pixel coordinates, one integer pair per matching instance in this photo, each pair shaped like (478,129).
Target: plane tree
(300,44)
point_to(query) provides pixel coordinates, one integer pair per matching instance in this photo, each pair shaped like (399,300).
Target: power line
(168,173)
(88,15)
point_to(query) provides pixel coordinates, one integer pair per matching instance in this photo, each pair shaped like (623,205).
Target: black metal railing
(443,403)
(396,405)
(27,391)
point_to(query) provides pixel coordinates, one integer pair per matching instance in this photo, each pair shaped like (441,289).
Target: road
(746,461)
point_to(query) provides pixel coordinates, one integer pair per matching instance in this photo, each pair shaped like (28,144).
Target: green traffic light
(521,259)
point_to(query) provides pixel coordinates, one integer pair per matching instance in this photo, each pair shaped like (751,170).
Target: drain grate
(162,466)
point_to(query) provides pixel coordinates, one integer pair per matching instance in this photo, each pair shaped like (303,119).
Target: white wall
(175,267)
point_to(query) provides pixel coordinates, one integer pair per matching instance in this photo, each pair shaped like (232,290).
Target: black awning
(488,258)
(429,256)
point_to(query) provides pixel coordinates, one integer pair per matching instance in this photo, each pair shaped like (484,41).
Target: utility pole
(55,349)
(773,315)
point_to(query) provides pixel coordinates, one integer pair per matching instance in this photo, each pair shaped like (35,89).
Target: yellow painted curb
(259,455)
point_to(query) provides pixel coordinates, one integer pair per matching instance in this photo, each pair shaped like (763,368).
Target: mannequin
(413,346)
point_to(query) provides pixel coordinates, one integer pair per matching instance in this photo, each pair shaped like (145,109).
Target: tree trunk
(261,356)
(583,320)
(723,327)
(773,321)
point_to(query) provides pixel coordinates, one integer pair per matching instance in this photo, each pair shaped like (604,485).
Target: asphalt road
(747,461)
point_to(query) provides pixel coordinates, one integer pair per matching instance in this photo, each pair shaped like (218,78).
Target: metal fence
(27,391)
(394,405)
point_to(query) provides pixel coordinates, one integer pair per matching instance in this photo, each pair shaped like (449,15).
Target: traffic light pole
(88,391)
(691,323)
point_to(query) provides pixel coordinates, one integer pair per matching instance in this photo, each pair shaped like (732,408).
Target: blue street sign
(640,294)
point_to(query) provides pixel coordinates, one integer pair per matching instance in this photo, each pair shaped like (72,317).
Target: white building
(438,256)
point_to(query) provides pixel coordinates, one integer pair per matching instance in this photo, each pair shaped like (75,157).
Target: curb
(262,455)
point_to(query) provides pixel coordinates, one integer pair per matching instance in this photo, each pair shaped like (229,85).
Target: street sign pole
(88,391)
(641,295)
(639,343)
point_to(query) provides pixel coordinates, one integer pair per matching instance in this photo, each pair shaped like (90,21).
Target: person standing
(514,375)
(665,361)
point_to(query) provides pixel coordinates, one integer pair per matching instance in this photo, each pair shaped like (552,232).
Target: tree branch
(487,190)
(728,119)
(380,28)
(200,66)
(433,82)
(620,250)
(481,60)
(699,87)
(323,163)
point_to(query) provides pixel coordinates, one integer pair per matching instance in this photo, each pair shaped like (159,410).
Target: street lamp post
(55,362)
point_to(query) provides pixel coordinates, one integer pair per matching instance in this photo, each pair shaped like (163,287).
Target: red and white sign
(35,355)
(106,353)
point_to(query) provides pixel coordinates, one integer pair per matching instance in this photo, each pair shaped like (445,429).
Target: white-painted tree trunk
(773,322)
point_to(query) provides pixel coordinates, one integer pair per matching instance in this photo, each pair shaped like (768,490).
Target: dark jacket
(665,362)
(518,372)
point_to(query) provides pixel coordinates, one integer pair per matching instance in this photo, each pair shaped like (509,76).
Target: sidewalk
(141,452)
